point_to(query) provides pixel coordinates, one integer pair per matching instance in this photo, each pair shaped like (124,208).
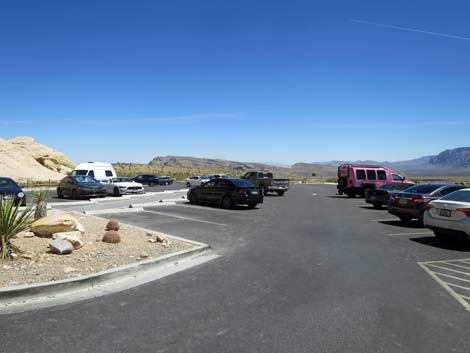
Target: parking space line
(195,207)
(453,277)
(449,269)
(452,264)
(414,233)
(186,218)
(462,299)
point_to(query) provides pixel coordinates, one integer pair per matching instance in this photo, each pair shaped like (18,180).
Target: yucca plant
(39,201)
(12,221)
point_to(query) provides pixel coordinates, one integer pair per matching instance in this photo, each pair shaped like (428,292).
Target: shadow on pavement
(450,244)
(398,223)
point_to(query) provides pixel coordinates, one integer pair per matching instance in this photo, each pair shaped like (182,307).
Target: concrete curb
(114,210)
(23,293)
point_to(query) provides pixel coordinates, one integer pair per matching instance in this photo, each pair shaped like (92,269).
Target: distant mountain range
(454,162)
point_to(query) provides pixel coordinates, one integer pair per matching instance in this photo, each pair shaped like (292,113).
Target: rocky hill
(22,158)
(455,158)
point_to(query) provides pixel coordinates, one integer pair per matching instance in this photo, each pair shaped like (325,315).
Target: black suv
(147,179)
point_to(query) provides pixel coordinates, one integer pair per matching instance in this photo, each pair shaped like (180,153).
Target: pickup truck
(265,182)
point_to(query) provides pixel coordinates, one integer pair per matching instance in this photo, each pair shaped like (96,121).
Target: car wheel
(60,195)
(152,183)
(252,205)
(227,202)
(116,192)
(188,184)
(74,194)
(377,205)
(405,219)
(192,198)
(280,193)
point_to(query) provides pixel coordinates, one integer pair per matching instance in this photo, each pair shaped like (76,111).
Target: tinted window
(361,174)
(396,177)
(461,195)
(108,173)
(371,175)
(270,175)
(7,183)
(223,184)
(450,189)
(79,172)
(260,175)
(243,183)
(209,184)
(381,175)
(423,189)
(91,173)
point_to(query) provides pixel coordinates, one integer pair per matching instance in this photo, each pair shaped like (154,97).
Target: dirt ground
(38,265)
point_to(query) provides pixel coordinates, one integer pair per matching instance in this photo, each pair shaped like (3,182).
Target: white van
(100,171)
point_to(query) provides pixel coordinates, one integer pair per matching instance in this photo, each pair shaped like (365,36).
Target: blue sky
(282,81)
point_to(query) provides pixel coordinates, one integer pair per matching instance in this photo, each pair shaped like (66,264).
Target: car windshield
(85,179)
(122,180)
(7,183)
(242,183)
(424,188)
(460,195)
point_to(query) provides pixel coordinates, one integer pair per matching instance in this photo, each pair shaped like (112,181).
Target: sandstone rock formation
(22,158)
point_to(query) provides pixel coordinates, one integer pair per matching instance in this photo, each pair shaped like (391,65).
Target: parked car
(123,186)
(380,197)
(450,215)
(9,189)
(355,179)
(197,180)
(78,186)
(226,192)
(147,179)
(265,182)
(219,176)
(98,170)
(165,180)
(411,203)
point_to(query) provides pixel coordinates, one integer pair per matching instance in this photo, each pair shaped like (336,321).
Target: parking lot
(308,272)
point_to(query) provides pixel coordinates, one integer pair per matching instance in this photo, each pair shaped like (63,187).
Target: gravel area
(38,265)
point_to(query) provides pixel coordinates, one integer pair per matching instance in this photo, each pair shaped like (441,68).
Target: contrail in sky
(410,29)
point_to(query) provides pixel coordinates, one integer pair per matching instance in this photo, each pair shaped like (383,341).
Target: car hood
(128,184)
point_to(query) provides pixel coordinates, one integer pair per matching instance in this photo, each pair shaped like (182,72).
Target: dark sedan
(80,186)
(147,179)
(380,197)
(165,180)
(226,192)
(9,189)
(411,203)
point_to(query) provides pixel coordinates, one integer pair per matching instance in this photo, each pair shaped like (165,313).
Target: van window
(381,175)
(109,173)
(371,175)
(397,177)
(91,173)
(360,174)
(79,172)
(343,172)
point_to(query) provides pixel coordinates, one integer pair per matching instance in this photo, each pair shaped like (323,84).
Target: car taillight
(466,211)
(242,192)
(421,199)
(428,207)
(393,198)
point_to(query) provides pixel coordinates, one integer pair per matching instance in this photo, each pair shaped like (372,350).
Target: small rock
(144,255)
(13,256)
(27,256)
(113,225)
(6,267)
(72,237)
(60,247)
(153,240)
(28,235)
(111,236)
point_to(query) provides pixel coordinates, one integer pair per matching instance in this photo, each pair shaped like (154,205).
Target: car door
(67,187)
(139,179)
(219,190)
(204,191)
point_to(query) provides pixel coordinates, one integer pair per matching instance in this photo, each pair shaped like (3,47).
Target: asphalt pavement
(307,272)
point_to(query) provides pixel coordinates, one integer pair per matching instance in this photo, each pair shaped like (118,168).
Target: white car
(197,180)
(449,215)
(123,186)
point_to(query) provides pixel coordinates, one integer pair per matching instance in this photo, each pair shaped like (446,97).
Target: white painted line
(450,263)
(202,208)
(314,194)
(449,269)
(416,233)
(114,210)
(456,296)
(186,218)
(453,277)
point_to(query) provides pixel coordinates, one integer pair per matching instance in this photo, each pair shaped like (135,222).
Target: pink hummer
(356,179)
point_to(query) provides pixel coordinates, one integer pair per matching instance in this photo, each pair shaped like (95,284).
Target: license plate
(445,213)
(372,198)
(402,201)
(254,192)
